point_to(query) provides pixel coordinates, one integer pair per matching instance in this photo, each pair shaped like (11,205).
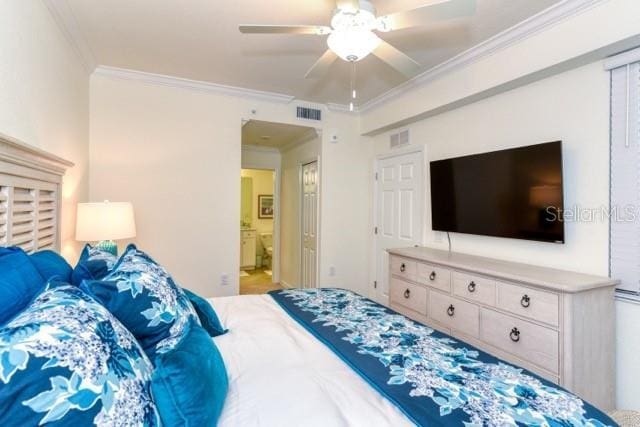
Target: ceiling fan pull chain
(353,86)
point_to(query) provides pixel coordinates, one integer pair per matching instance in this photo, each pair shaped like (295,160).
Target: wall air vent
(399,139)
(309,113)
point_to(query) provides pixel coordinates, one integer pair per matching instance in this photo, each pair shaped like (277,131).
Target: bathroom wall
(263,183)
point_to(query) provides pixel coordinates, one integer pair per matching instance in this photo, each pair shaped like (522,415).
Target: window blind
(625,177)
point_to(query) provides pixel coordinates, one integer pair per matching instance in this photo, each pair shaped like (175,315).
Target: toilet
(267,244)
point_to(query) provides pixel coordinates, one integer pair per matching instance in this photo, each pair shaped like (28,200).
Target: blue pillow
(190,382)
(94,264)
(50,264)
(144,297)
(207,315)
(20,281)
(65,360)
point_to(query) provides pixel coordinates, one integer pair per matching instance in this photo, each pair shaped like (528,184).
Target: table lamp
(105,222)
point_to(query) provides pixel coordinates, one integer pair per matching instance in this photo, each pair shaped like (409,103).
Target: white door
(309,266)
(399,212)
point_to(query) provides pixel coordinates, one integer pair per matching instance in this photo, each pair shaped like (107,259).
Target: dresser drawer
(403,267)
(413,297)
(436,277)
(532,303)
(476,288)
(454,313)
(533,343)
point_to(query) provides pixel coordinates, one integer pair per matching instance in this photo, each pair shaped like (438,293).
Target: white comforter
(281,375)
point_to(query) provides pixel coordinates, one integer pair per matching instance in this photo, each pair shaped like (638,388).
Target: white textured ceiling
(273,135)
(199,39)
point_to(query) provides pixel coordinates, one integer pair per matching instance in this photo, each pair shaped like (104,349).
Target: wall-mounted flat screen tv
(515,193)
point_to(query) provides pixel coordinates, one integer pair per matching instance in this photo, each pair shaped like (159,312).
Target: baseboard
(287,285)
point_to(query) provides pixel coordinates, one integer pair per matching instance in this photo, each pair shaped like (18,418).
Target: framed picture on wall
(265,206)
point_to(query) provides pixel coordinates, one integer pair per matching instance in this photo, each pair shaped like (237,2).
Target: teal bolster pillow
(189,384)
(207,315)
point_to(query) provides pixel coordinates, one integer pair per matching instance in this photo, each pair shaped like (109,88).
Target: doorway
(257,228)
(278,151)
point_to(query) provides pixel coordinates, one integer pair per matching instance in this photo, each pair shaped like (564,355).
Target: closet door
(309,225)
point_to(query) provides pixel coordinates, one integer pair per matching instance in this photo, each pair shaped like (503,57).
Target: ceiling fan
(352,32)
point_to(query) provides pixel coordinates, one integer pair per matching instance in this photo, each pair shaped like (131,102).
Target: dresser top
(551,278)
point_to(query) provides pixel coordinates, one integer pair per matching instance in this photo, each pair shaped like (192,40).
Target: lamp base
(108,246)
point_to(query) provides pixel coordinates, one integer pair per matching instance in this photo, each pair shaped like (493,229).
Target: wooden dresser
(558,324)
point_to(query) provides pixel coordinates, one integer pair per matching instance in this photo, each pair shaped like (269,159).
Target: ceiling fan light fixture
(353,44)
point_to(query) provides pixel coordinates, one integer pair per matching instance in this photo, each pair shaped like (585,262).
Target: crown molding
(196,85)
(522,30)
(66,21)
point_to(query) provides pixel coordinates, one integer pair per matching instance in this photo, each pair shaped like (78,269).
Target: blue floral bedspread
(432,378)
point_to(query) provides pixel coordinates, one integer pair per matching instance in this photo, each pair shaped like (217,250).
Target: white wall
(176,154)
(290,209)
(44,99)
(572,107)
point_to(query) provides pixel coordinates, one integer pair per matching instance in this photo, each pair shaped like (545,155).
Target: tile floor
(258,282)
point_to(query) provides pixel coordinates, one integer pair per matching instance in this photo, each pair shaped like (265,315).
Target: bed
(299,355)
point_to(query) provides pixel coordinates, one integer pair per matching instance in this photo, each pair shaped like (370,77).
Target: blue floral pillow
(65,360)
(144,297)
(94,264)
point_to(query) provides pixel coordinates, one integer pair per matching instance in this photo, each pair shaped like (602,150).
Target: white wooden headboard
(30,191)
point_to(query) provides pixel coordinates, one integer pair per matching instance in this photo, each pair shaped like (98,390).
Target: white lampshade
(105,221)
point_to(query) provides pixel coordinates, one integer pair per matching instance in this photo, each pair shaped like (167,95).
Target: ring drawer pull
(471,287)
(432,276)
(515,335)
(407,293)
(451,310)
(525,301)
(403,268)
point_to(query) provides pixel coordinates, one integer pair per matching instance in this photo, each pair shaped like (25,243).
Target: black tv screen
(514,193)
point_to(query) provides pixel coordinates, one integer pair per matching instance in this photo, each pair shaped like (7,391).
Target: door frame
(275,258)
(373,268)
(301,163)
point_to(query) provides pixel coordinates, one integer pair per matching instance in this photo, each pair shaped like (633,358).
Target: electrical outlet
(332,271)
(224,279)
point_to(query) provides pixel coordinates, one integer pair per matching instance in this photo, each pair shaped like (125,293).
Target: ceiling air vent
(399,139)
(308,113)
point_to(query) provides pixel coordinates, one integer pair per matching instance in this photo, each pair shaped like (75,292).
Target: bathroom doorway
(279,151)
(258,208)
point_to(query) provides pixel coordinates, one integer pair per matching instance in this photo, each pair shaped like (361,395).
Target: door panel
(399,212)
(309,224)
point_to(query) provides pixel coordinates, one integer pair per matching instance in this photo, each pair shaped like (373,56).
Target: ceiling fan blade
(425,15)
(318,30)
(397,59)
(353,5)
(322,65)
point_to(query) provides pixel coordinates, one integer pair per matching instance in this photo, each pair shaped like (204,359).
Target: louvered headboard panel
(30,188)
